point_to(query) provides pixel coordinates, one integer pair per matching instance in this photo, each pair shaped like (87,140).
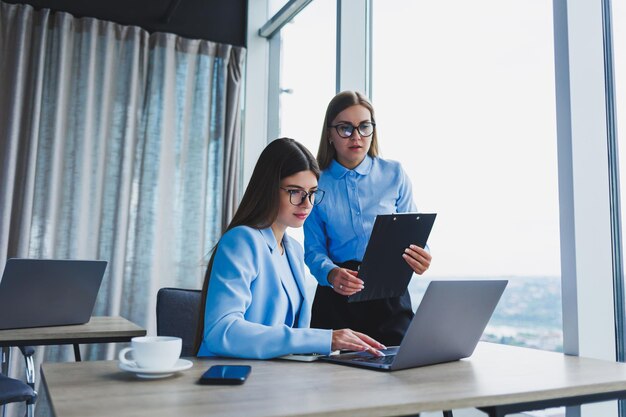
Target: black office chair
(13,391)
(177,315)
(28,352)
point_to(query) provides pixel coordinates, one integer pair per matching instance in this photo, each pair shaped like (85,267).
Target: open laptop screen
(48,292)
(447,326)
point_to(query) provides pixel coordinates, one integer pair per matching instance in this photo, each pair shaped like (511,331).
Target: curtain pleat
(116,144)
(232,131)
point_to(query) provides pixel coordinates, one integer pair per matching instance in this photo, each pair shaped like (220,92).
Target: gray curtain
(116,144)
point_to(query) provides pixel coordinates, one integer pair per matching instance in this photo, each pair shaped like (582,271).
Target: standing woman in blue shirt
(359,185)
(254,298)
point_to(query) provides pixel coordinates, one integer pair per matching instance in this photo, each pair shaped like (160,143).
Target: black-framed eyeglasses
(297,197)
(345,130)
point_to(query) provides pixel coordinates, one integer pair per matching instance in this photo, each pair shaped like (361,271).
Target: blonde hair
(326,152)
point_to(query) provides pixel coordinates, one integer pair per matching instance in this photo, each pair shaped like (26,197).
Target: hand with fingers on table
(345,281)
(418,259)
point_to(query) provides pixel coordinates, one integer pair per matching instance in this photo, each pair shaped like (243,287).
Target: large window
(465,99)
(619,55)
(274,6)
(307,72)
(619,60)
(464,95)
(307,75)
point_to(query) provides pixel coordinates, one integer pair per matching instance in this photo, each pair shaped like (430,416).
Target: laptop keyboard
(383,360)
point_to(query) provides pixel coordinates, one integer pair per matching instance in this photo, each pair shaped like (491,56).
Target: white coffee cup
(152,352)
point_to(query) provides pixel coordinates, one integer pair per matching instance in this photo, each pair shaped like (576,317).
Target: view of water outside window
(464,95)
(465,100)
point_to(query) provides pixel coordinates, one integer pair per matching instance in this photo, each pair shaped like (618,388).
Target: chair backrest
(14,390)
(177,315)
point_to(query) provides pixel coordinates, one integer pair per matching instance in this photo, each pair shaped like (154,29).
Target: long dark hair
(326,152)
(259,206)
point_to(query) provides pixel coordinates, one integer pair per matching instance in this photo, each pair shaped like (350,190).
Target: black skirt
(386,320)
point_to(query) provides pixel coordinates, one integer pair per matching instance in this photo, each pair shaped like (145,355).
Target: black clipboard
(384,271)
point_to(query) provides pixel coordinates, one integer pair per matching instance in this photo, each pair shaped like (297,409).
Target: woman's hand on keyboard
(351,340)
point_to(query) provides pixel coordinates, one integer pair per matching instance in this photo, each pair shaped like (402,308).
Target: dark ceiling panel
(221,21)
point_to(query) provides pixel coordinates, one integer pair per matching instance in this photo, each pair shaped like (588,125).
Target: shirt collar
(269,237)
(338,171)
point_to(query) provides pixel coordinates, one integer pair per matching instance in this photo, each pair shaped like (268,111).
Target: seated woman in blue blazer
(255,303)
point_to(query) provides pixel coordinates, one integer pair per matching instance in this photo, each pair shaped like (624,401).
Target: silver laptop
(48,292)
(447,326)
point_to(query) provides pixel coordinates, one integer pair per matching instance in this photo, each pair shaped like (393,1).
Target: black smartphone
(225,375)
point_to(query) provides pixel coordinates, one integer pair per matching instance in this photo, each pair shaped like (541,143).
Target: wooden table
(498,379)
(106,329)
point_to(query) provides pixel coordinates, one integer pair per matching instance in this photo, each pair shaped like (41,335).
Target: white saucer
(180,365)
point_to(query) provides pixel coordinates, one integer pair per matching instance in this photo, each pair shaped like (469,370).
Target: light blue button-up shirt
(339,228)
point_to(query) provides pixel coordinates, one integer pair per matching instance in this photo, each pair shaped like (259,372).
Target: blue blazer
(247,306)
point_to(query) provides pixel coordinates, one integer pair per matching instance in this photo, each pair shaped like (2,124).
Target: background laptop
(447,326)
(48,292)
